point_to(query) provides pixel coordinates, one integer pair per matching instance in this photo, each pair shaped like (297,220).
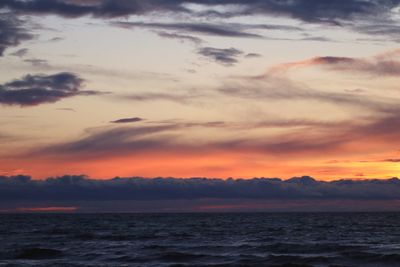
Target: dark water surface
(241,239)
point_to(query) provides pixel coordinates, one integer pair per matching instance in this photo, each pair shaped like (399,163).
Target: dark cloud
(365,16)
(329,11)
(128,120)
(227,57)
(306,10)
(20,52)
(317,39)
(79,188)
(96,8)
(224,30)
(316,11)
(386,30)
(12,32)
(253,55)
(39,89)
(180,37)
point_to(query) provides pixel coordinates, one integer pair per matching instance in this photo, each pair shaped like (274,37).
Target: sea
(201,239)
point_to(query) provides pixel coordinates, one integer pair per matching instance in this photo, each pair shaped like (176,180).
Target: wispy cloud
(302,137)
(227,56)
(180,37)
(143,97)
(113,141)
(20,52)
(380,65)
(37,62)
(223,30)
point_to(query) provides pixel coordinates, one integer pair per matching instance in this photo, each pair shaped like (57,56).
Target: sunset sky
(224,88)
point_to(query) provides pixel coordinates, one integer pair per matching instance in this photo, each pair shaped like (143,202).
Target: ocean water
(237,239)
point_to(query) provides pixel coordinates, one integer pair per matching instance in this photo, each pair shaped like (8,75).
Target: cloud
(128,120)
(379,129)
(370,17)
(276,87)
(302,137)
(141,97)
(331,12)
(67,109)
(253,55)
(56,39)
(227,57)
(37,62)
(385,27)
(80,188)
(381,65)
(12,33)
(306,10)
(224,30)
(33,90)
(96,8)
(392,160)
(314,11)
(181,37)
(20,52)
(275,83)
(113,141)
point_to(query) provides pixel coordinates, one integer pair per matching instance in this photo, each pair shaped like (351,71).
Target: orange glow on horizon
(215,165)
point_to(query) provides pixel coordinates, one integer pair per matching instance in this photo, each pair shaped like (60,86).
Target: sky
(216,89)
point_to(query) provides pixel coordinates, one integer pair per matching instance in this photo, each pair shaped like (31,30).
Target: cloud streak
(113,141)
(180,37)
(381,65)
(20,52)
(144,97)
(301,137)
(223,30)
(227,57)
(128,120)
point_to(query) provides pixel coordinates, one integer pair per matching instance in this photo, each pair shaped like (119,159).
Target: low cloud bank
(80,188)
